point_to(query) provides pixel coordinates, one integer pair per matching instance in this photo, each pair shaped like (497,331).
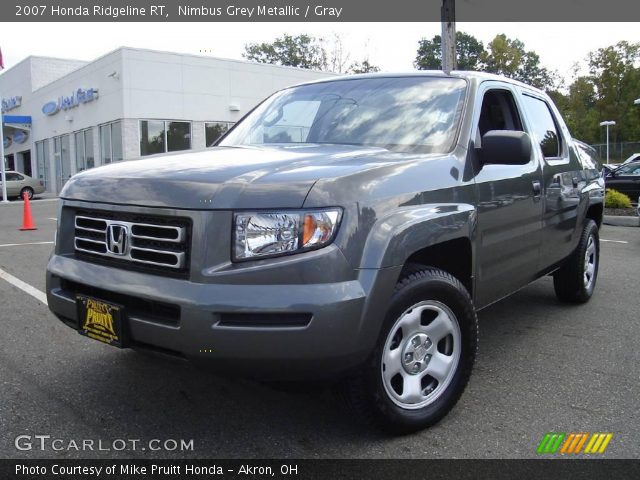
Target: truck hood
(224,177)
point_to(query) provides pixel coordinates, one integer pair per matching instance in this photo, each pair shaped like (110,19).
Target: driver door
(508,204)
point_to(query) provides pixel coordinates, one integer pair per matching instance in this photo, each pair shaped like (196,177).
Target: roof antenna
(448,21)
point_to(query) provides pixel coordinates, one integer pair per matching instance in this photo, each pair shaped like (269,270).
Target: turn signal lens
(319,227)
(309,229)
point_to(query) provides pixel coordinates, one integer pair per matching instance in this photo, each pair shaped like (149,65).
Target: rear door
(563,179)
(509,203)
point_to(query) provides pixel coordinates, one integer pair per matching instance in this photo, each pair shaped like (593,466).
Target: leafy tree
(606,92)
(307,51)
(579,110)
(303,51)
(508,57)
(469,51)
(363,67)
(616,84)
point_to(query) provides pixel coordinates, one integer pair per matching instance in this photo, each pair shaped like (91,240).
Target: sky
(391,46)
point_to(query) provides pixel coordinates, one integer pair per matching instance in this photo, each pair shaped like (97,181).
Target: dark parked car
(347,228)
(625,179)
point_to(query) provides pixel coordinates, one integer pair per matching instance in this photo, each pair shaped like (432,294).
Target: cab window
(498,112)
(544,126)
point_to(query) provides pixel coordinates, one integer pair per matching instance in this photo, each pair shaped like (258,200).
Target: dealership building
(64,116)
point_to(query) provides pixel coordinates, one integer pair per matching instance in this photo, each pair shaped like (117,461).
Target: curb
(38,200)
(621,221)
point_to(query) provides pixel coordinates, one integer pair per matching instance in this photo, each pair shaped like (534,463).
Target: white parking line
(52,218)
(602,240)
(25,287)
(27,243)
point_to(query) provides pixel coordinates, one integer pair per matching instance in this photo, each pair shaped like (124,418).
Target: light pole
(3,175)
(608,123)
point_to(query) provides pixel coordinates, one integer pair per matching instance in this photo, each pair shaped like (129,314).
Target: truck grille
(150,242)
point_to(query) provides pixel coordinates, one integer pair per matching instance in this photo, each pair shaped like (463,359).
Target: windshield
(402,114)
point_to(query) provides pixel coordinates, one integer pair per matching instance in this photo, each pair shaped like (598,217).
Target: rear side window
(13,177)
(544,127)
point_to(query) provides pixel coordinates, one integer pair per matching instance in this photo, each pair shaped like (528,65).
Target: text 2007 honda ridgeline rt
(345,228)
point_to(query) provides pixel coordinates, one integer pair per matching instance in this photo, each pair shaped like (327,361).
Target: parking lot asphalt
(542,367)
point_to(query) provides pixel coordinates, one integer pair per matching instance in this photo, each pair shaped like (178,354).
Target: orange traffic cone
(27,219)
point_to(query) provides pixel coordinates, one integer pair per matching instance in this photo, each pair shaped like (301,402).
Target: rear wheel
(28,191)
(424,355)
(575,281)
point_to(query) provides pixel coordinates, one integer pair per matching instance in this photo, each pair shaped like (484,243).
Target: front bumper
(335,339)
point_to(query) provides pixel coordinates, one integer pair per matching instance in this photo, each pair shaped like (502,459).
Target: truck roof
(464,74)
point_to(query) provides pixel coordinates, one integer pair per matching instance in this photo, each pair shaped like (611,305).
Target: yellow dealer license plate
(100,320)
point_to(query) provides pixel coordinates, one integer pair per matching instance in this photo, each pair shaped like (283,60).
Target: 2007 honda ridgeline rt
(346,228)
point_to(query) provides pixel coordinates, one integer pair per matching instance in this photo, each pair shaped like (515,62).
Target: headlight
(268,234)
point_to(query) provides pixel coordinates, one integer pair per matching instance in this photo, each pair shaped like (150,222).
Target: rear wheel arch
(596,212)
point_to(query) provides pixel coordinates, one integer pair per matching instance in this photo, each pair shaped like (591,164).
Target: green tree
(616,84)
(469,51)
(578,109)
(303,51)
(508,57)
(307,51)
(363,67)
(606,92)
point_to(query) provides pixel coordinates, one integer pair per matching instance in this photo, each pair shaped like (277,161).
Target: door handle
(537,189)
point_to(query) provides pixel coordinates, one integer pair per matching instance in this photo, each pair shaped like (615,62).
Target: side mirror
(505,147)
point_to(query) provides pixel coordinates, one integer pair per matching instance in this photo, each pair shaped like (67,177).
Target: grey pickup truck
(349,229)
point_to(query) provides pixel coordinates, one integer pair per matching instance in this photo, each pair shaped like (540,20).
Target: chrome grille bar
(144,242)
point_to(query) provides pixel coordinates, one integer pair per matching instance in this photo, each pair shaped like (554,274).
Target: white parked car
(19,183)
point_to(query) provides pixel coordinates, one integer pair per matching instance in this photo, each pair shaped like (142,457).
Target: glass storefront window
(111,142)
(178,136)
(81,159)
(62,160)
(42,152)
(159,136)
(151,137)
(84,150)
(116,141)
(105,144)
(214,130)
(42,157)
(88,148)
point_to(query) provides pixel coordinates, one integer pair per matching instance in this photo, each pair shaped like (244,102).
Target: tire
(431,325)
(28,191)
(575,281)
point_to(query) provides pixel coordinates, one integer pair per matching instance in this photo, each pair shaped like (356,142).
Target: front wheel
(424,355)
(575,281)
